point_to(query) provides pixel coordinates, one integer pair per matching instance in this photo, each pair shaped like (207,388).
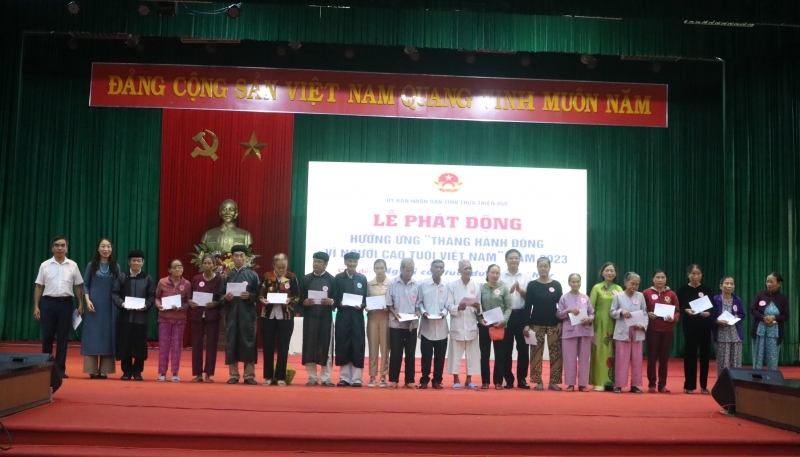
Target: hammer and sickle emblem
(206,151)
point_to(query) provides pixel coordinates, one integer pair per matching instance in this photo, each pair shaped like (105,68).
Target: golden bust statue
(228,234)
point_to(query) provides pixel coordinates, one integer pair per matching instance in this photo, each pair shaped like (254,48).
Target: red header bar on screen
(378,94)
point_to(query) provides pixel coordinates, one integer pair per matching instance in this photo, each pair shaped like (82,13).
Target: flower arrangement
(223,262)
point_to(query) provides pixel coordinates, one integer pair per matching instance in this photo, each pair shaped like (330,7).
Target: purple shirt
(569,301)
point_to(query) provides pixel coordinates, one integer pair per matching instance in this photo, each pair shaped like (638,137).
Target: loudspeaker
(26,381)
(724,391)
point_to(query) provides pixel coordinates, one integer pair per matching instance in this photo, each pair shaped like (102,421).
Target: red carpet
(96,417)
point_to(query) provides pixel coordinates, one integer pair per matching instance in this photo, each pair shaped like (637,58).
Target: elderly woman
(628,339)
(770,308)
(494,294)
(696,331)
(171,320)
(97,341)
(728,337)
(205,319)
(601,373)
(660,331)
(541,299)
(277,319)
(576,339)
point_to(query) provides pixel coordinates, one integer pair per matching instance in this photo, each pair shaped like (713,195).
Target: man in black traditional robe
(240,318)
(318,322)
(350,340)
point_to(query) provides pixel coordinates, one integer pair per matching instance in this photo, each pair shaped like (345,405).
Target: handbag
(497,333)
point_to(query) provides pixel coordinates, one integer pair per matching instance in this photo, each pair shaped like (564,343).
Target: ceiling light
(144,10)
(234,10)
(295,45)
(73,7)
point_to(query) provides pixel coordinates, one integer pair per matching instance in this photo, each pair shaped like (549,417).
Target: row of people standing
(111,329)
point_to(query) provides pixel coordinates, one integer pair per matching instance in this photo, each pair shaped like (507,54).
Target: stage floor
(104,417)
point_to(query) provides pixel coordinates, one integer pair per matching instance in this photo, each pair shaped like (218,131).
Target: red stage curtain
(193,188)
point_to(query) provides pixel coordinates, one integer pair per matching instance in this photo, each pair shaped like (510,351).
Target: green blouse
(496,297)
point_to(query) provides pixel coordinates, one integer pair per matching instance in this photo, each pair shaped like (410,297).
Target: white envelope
(407,317)
(277,298)
(663,310)
(729,318)
(531,340)
(637,318)
(173,301)
(576,320)
(701,304)
(434,317)
(317,296)
(352,300)
(134,303)
(236,288)
(493,315)
(202,298)
(76,319)
(376,303)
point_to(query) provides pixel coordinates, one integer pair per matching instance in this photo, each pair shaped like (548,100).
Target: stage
(105,417)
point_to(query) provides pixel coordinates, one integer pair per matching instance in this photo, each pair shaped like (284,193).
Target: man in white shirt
(401,297)
(58,281)
(516,281)
(433,330)
(464,304)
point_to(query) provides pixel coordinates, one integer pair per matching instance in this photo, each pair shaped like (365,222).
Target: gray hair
(630,275)
(279,256)
(404,263)
(462,262)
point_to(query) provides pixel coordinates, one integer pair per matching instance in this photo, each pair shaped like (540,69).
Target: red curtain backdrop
(193,188)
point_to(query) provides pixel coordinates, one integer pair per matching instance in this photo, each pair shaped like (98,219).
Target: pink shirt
(569,301)
(166,288)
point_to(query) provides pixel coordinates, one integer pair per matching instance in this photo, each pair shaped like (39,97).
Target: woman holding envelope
(728,337)
(577,316)
(770,308)
(205,316)
(172,294)
(541,299)
(630,311)
(662,309)
(697,327)
(494,294)
(279,294)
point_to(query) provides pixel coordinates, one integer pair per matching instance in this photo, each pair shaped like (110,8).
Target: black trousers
(56,320)
(400,340)
(436,350)
(696,340)
(516,323)
(132,366)
(270,328)
(486,343)
(659,344)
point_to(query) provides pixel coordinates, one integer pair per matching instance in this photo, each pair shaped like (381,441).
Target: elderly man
(59,279)
(433,326)
(240,318)
(318,321)
(131,345)
(464,304)
(401,297)
(350,338)
(516,281)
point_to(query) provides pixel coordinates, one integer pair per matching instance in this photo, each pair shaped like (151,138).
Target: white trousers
(351,374)
(470,350)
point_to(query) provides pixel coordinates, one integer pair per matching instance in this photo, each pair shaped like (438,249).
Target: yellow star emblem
(252,148)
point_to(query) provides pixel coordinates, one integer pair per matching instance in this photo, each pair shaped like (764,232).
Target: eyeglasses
(176,267)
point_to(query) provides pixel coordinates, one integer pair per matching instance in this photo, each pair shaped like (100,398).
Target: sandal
(471,386)
(199,378)
(687,391)
(584,389)
(485,387)
(705,392)
(664,390)
(498,387)
(209,378)
(651,390)
(456,386)
(393,385)
(570,388)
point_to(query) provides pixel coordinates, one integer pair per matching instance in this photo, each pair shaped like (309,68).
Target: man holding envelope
(240,287)
(464,304)
(433,328)
(351,296)
(316,291)
(134,293)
